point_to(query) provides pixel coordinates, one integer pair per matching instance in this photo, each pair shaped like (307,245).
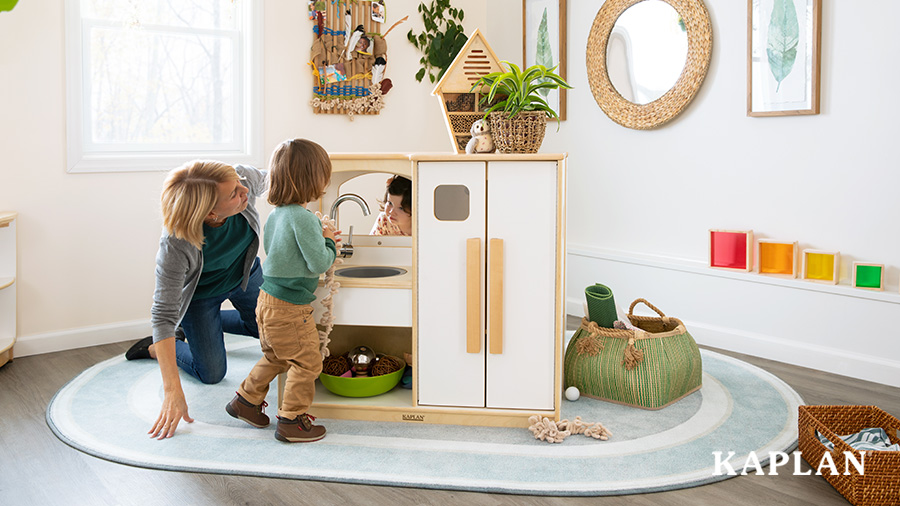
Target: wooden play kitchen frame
(469,344)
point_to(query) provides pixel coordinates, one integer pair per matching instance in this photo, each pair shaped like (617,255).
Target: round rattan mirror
(696,22)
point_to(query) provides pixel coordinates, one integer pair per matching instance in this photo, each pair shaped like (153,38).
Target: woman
(207,254)
(396,209)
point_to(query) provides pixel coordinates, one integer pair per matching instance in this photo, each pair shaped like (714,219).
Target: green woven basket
(601,305)
(650,367)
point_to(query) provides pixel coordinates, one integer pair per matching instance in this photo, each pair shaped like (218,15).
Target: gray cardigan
(179,263)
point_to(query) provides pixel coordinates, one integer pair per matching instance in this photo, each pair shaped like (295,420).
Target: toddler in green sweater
(298,250)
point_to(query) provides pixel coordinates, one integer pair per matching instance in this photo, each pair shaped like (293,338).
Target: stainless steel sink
(369,272)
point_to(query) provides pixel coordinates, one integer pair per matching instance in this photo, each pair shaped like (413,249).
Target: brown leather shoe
(241,409)
(299,430)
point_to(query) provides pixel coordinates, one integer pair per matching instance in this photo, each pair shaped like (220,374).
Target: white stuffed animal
(481,141)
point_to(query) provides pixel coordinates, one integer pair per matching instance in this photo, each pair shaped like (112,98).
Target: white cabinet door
(449,211)
(522,217)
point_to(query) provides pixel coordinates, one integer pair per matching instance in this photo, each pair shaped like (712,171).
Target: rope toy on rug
(546,429)
(328,300)
(595,430)
(555,432)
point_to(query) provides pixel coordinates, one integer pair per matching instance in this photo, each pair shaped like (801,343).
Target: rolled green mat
(601,305)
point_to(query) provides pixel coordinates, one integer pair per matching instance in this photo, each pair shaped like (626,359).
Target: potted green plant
(517,110)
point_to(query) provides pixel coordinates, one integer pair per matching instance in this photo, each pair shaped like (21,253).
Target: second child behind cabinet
(298,250)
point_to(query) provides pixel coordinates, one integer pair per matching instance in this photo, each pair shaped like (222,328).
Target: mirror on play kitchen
(389,200)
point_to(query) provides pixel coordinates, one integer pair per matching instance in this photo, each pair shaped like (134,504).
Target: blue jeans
(204,324)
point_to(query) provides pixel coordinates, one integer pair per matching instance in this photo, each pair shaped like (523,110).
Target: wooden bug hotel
(454,90)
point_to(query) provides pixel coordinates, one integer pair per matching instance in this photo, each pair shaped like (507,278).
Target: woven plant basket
(880,483)
(651,366)
(524,133)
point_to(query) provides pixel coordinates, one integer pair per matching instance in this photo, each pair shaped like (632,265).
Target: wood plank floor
(37,468)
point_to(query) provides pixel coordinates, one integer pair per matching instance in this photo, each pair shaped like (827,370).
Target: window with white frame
(155,83)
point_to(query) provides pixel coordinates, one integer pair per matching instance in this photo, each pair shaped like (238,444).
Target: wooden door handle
(474,328)
(495,301)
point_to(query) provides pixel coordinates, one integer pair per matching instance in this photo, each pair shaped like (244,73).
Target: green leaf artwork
(784,36)
(544,53)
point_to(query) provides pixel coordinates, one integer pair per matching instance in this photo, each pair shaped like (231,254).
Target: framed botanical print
(544,43)
(783,53)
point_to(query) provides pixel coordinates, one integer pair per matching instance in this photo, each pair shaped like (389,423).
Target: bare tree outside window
(163,76)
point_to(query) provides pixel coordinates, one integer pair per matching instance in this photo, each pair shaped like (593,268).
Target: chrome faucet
(347,249)
(345,197)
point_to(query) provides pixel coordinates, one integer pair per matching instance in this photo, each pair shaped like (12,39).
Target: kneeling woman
(207,254)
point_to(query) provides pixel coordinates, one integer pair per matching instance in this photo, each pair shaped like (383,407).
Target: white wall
(817,179)
(640,202)
(87,242)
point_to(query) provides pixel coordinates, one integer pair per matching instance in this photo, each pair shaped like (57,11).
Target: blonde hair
(189,194)
(299,171)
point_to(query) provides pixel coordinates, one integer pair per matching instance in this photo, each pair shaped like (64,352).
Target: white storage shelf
(7,285)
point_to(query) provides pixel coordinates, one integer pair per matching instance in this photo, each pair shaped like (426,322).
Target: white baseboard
(83,337)
(822,358)
(835,329)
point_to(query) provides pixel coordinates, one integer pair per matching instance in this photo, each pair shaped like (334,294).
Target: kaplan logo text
(779,459)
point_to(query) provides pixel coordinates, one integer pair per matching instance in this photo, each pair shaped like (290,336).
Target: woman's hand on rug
(174,409)
(174,406)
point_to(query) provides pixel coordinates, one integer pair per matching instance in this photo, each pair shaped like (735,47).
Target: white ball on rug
(572,393)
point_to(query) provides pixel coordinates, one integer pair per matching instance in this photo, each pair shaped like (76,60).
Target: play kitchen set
(473,300)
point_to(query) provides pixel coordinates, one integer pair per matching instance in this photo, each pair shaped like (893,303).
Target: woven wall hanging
(348,56)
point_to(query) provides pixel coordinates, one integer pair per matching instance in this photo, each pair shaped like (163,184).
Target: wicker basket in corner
(880,485)
(524,133)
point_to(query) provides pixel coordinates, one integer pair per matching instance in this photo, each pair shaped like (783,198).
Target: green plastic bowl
(362,387)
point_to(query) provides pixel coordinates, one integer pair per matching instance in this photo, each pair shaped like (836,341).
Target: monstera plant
(441,39)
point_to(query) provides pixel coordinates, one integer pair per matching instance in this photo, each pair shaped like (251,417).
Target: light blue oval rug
(106,411)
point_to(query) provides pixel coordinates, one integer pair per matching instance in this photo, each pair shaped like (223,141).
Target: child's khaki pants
(290,342)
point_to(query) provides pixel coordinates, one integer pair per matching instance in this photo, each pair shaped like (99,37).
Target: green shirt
(296,254)
(224,249)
